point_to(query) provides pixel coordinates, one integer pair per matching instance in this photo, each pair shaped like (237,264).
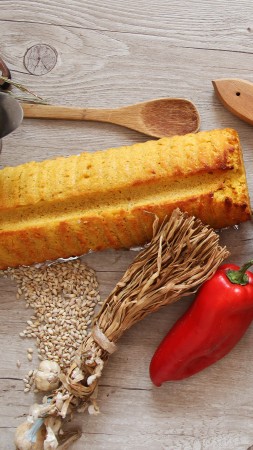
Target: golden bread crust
(107,199)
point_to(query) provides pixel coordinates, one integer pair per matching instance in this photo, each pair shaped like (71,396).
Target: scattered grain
(18,363)
(63,297)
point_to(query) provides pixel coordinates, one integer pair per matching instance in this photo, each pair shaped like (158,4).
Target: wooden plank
(112,83)
(192,24)
(112,54)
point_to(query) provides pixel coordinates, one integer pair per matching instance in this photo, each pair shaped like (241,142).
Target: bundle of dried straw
(182,254)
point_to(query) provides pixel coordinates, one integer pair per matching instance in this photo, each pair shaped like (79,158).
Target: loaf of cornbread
(108,199)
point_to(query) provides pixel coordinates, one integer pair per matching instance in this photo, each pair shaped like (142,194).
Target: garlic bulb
(47,376)
(30,436)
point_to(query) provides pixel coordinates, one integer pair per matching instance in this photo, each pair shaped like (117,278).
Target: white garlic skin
(47,376)
(53,425)
(34,412)
(49,366)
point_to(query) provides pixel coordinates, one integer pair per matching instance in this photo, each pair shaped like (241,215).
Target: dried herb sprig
(182,254)
(35,98)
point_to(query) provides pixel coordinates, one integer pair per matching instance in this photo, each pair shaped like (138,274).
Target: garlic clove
(47,376)
(43,384)
(49,366)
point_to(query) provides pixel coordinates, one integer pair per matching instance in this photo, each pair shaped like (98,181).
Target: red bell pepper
(217,319)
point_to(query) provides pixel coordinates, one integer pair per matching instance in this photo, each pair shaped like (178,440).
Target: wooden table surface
(109,54)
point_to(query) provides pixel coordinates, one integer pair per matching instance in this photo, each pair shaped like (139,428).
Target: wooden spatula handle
(36,111)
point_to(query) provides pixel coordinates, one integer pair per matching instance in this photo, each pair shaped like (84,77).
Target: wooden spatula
(237,96)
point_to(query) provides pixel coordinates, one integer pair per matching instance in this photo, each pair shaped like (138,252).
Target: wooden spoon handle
(237,96)
(35,111)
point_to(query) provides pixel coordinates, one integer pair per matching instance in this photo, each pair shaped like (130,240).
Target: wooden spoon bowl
(156,118)
(168,117)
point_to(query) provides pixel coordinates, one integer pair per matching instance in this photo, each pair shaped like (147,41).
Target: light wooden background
(113,53)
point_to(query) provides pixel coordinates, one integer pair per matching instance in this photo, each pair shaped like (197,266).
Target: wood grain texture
(111,54)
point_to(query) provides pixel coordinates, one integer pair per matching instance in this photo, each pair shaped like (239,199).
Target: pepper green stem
(240,276)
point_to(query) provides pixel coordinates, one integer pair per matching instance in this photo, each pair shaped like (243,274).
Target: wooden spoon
(157,118)
(237,96)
